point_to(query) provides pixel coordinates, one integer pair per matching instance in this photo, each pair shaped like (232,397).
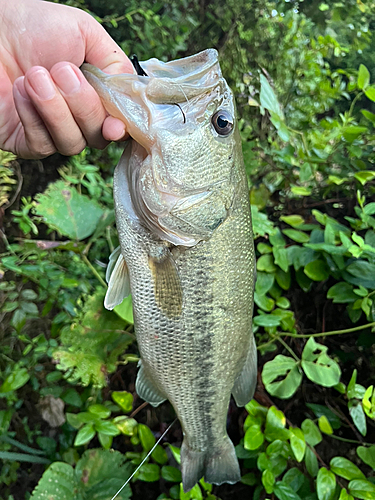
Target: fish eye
(222,122)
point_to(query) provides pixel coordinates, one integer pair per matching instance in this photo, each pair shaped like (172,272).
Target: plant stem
(346,440)
(288,349)
(94,271)
(334,332)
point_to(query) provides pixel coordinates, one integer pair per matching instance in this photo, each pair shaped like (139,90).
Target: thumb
(102,51)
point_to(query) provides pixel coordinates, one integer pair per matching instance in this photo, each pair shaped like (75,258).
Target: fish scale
(188,257)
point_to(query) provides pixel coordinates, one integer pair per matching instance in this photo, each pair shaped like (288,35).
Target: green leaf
(268,98)
(297,443)
(105,440)
(311,462)
(124,399)
(364,176)
(84,435)
(370,93)
(281,366)
(362,489)
(171,474)
(363,77)
(146,436)
(311,432)
(298,236)
(325,484)
(344,495)
(267,320)
(194,494)
(149,473)
(264,282)
(352,132)
(275,425)
(367,455)
(358,416)
(125,425)
(294,478)
(264,302)
(266,263)
(370,116)
(317,270)
(324,425)
(57,483)
(160,455)
(342,293)
(345,468)
(107,428)
(268,480)
(285,492)
(318,366)
(15,380)
(72,214)
(22,457)
(254,437)
(100,411)
(125,310)
(301,191)
(293,220)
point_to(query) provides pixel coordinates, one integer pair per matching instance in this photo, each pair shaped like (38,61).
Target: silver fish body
(187,255)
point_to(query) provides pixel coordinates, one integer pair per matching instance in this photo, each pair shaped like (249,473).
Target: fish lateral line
(144,460)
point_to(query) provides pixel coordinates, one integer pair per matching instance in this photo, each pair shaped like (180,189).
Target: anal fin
(244,387)
(146,389)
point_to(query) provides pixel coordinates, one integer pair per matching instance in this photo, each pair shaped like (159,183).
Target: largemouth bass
(187,255)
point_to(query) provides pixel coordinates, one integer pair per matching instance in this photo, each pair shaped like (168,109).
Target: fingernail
(20,87)
(42,85)
(66,79)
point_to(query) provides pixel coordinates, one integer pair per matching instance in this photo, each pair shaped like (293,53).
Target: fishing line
(144,460)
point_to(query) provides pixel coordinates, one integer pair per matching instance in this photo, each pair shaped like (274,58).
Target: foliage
(305,87)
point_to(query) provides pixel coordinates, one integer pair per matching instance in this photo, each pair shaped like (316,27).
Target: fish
(186,249)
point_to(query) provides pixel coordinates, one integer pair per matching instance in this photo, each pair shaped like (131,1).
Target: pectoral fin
(244,387)
(146,389)
(117,277)
(167,285)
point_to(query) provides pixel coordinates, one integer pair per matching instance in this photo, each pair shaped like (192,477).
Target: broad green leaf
(267,320)
(358,416)
(318,366)
(57,483)
(370,116)
(363,77)
(84,435)
(368,402)
(283,279)
(125,425)
(275,425)
(107,428)
(105,440)
(324,425)
(317,270)
(15,380)
(367,455)
(362,489)
(249,479)
(71,213)
(298,236)
(344,495)
(342,293)
(149,473)
(311,432)
(100,411)
(171,474)
(281,366)
(285,492)
(268,480)
(254,437)
(124,399)
(294,478)
(146,436)
(345,468)
(194,494)
(283,302)
(281,257)
(301,190)
(364,176)
(125,310)
(264,302)
(293,220)
(370,93)
(264,282)
(325,484)
(160,455)
(297,443)
(268,98)
(351,132)
(320,410)
(311,462)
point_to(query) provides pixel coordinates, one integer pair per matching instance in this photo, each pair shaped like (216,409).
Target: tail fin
(218,465)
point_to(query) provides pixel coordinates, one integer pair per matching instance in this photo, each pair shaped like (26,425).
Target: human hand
(46,104)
